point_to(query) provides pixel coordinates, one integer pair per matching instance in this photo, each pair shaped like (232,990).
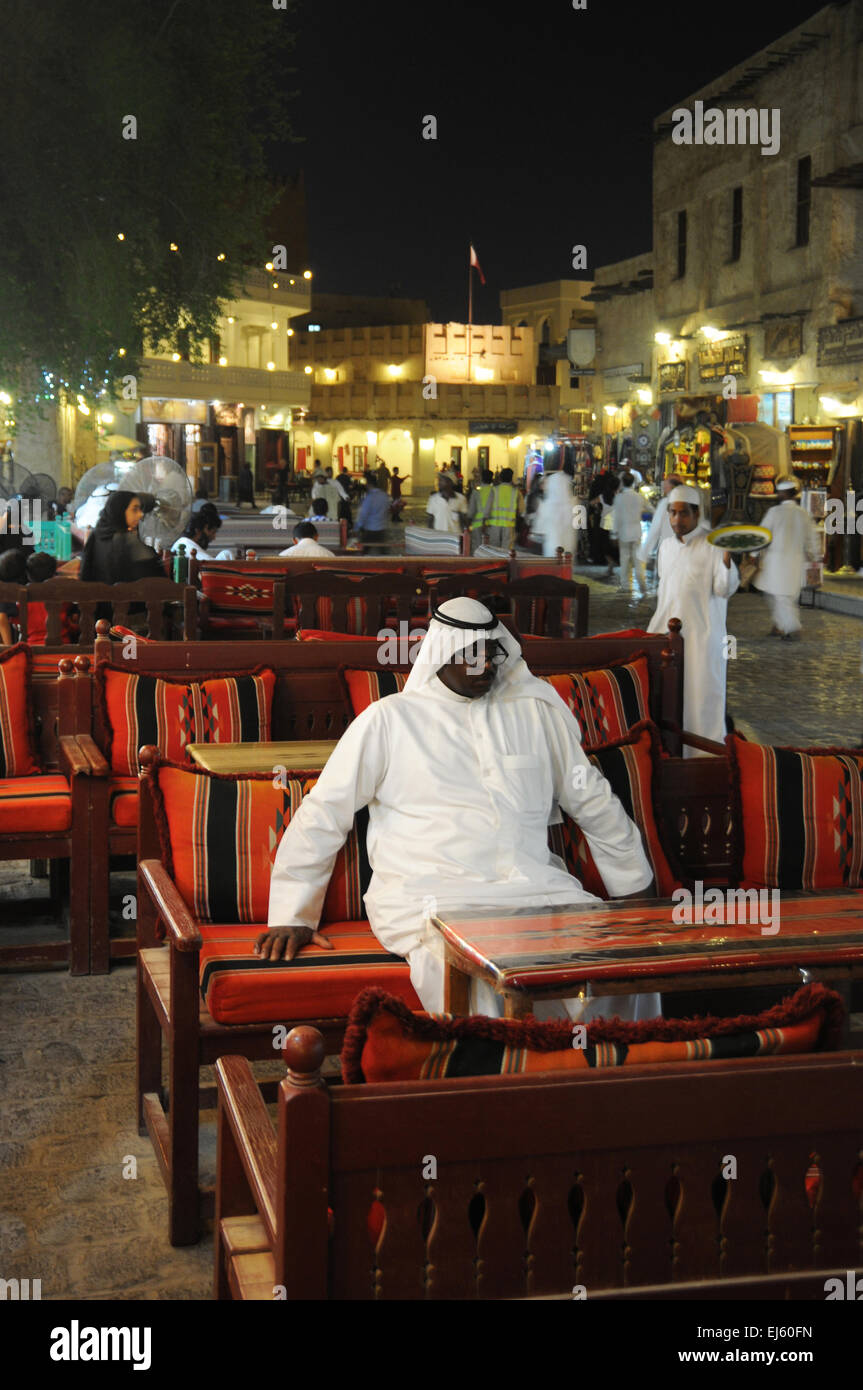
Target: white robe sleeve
(581,790)
(725,581)
(308,848)
(651,540)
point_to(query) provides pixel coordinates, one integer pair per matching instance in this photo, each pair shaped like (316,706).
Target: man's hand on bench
(286,941)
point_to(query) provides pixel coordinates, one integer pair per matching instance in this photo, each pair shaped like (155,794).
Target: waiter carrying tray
(462,772)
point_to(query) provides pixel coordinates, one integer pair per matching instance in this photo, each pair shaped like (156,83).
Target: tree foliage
(208,85)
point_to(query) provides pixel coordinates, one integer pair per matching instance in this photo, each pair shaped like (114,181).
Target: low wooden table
(635,947)
(304,755)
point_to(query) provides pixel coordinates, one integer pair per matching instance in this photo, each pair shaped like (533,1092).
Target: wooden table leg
(456,990)
(517,1005)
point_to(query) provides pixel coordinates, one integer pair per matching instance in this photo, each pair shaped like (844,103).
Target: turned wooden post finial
(66,666)
(148,756)
(82,664)
(304,1054)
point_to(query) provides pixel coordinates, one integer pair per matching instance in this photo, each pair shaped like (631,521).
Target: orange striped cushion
(364,687)
(386,1042)
(238,987)
(222,834)
(123,793)
(172,713)
(16,747)
(628,767)
(801,815)
(35,804)
(607,702)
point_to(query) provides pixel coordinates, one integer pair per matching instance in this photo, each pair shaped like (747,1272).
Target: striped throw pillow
(364,687)
(16,745)
(800,812)
(607,702)
(220,835)
(628,767)
(172,713)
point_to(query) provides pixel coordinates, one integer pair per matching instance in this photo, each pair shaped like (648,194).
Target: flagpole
(469,307)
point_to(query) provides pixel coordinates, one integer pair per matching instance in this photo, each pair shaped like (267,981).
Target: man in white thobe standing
(556,512)
(660,527)
(695,583)
(462,772)
(795,540)
(626,512)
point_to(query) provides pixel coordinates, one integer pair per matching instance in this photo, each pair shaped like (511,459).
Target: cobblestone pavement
(800,693)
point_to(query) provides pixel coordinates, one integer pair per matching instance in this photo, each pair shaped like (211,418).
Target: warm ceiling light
(515,441)
(484,374)
(175,357)
(290,333)
(274,324)
(269,265)
(426,443)
(321,438)
(122,352)
(713,334)
(473,442)
(275,284)
(663,338)
(611,410)
(394,369)
(307,275)
(6,398)
(106,418)
(223,361)
(307,370)
(271,366)
(645,395)
(221,256)
(215,402)
(371,437)
(173,246)
(121,236)
(329,373)
(230,318)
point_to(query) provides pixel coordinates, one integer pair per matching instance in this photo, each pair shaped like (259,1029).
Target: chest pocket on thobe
(526,781)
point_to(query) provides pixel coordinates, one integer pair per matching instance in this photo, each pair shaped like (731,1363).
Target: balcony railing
(207,381)
(401,400)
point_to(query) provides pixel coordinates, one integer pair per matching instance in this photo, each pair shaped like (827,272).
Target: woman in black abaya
(114,552)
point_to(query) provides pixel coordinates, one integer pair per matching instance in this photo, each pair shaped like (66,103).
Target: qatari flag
(474,260)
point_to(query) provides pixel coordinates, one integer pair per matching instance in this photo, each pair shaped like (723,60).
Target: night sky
(544,134)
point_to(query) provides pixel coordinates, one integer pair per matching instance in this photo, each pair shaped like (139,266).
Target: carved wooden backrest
(668,1175)
(697,817)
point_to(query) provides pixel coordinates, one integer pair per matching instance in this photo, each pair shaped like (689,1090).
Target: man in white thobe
(626,512)
(696,581)
(795,540)
(462,773)
(660,527)
(555,512)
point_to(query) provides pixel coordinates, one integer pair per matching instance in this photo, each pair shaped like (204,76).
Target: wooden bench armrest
(243,1107)
(92,752)
(72,760)
(179,921)
(694,740)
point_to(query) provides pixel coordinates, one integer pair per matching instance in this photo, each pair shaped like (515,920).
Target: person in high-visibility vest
(478,507)
(506,504)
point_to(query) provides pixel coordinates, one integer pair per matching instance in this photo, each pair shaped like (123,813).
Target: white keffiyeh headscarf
(443,643)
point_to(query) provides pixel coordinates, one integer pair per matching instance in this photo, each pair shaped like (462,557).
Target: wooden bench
(598,1181)
(541,605)
(59,707)
(55,594)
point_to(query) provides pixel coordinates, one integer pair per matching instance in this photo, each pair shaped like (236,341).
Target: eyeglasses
(478,653)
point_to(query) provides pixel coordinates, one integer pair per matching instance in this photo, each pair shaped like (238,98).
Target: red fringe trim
(556,1035)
